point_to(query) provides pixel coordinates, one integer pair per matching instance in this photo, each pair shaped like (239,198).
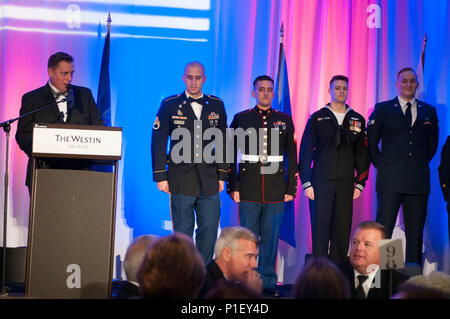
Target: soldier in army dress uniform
(192,176)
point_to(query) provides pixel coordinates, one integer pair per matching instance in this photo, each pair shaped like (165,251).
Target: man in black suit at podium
(80,110)
(409,134)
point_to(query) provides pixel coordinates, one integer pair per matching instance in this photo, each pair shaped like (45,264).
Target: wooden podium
(72,214)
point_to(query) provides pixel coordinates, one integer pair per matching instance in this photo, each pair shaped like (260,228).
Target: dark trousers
(331,219)
(414,214)
(207,209)
(264,220)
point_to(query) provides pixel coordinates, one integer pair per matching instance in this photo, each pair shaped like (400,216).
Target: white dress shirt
(368,283)
(196,107)
(62,105)
(413,108)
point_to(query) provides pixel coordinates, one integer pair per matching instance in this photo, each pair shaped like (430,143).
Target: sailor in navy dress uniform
(409,134)
(192,180)
(335,142)
(262,183)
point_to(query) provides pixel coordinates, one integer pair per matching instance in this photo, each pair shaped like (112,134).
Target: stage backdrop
(152,40)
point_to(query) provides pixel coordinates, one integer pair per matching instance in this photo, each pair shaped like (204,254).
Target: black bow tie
(199,100)
(57,95)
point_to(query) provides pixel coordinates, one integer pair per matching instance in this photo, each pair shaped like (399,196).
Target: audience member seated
(436,280)
(408,290)
(225,289)
(363,270)
(235,252)
(133,259)
(172,269)
(321,279)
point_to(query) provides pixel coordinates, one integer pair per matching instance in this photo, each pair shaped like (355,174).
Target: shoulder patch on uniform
(214,97)
(243,112)
(156,124)
(171,97)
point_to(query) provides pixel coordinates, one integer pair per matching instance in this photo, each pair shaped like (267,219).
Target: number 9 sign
(391,254)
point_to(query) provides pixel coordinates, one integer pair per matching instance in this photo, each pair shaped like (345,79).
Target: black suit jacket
(84,111)
(213,274)
(383,289)
(127,290)
(444,170)
(402,162)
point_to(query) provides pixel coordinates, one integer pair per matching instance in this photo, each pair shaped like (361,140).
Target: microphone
(70,102)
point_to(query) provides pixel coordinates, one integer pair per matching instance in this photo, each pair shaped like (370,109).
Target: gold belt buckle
(263,159)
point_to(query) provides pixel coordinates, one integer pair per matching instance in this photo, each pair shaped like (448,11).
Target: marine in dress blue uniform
(340,157)
(409,133)
(263,180)
(192,178)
